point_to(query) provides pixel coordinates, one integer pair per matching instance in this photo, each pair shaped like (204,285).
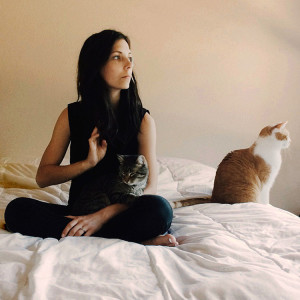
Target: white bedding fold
(222,256)
(242,251)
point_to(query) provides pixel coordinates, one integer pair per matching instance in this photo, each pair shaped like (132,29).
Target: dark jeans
(147,218)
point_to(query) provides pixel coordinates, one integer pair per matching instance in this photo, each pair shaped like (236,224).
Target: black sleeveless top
(81,127)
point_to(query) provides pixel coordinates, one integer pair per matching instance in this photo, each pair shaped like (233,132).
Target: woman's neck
(115,98)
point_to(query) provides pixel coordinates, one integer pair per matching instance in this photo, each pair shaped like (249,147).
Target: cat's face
(133,169)
(277,134)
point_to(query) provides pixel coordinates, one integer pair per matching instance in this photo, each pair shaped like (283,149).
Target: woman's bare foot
(162,240)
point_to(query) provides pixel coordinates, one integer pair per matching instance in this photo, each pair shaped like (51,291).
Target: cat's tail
(190,201)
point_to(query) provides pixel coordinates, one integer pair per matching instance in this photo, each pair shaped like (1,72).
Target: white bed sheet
(241,251)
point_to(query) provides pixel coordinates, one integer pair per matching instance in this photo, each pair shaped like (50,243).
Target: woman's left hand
(83,225)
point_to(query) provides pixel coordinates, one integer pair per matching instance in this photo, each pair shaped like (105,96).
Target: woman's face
(117,71)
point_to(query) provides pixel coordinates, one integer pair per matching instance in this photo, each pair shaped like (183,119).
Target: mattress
(240,251)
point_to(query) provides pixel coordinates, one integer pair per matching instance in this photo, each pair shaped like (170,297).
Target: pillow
(182,179)
(178,179)
(17,179)
(17,175)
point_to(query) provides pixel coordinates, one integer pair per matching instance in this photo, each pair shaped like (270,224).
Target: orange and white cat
(247,175)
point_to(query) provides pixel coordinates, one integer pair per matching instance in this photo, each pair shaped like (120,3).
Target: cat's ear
(283,125)
(120,158)
(280,126)
(141,159)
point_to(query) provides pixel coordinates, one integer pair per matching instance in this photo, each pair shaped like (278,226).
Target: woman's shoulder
(143,112)
(75,106)
(77,110)
(79,117)
(147,121)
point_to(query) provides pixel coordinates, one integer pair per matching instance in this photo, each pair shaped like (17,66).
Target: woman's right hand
(96,151)
(50,171)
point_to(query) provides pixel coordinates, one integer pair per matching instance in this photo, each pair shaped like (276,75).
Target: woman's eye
(116,57)
(130,59)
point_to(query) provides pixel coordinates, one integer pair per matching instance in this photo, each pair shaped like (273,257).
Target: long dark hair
(93,91)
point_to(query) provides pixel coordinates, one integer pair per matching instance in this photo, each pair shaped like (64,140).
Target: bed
(241,251)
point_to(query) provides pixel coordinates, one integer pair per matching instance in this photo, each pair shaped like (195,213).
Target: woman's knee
(156,202)
(19,204)
(15,208)
(159,208)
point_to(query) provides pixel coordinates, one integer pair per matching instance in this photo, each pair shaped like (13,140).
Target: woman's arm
(147,147)
(50,172)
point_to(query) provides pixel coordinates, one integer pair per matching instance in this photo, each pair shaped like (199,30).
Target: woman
(108,118)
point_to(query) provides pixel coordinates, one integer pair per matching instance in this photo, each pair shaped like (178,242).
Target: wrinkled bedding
(241,251)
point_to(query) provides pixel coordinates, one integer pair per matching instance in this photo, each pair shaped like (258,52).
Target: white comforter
(241,251)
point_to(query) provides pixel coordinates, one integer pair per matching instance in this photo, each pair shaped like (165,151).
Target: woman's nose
(129,64)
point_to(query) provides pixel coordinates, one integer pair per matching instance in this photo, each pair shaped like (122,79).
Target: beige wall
(212,73)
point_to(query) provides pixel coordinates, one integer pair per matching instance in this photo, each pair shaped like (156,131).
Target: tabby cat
(247,175)
(123,187)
